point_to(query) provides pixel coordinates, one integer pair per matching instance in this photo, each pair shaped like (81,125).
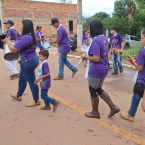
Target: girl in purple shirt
(26,46)
(98,69)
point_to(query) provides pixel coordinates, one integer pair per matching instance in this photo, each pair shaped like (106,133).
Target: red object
(134,59)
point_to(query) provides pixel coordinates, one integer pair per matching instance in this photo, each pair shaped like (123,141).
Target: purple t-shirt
(38,36)
(84,38)
(141,61)
(116,41)
(64,40)
(22,43)
(99,47)
(13,33)
(45,70)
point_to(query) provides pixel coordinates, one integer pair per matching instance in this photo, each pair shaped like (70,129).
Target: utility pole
(79,23)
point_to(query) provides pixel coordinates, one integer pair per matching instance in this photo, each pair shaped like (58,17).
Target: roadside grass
(133,51)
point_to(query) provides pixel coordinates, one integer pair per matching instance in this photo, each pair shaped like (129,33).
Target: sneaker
(115,73)
(58,78)
(12,77)
(19,98)
(73,73)
(55,105)
(33,103)
(126,116)
(121,70)
(46,107)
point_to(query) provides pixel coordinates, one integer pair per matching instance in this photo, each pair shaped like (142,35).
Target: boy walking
(117,43)
(45,81)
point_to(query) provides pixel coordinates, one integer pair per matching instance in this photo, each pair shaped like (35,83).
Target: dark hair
(29,29)
(44,53)
(143,33)
(84,31)
(96,28)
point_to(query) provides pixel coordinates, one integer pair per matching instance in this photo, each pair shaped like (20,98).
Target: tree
(131,11)
(124,8)
(100,16)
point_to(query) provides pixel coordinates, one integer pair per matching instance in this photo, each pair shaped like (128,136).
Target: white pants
(11,65)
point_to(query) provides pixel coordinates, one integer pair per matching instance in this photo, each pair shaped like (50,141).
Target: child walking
(45,81)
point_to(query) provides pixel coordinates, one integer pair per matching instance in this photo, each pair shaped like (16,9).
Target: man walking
(63,49)
(12,34)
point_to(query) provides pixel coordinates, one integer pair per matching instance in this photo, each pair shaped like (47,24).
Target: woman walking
(98,70)
(29,61)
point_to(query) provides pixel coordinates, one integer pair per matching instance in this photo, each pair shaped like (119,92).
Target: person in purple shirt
(40,37)
(64,48)
(140,84)
(98,70)
(117,43)
(86,41)
(45,81)
(85,38)
(29,60)
(13,35)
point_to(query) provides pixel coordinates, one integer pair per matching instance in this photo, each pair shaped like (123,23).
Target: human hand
(84,57)
(6,40)
(121,51)
(37,81)
(130,59)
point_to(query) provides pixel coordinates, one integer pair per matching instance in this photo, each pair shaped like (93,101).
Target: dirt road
(20,125)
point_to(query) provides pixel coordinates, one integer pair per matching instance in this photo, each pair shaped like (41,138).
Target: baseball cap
(113,28)
(53,21)
(38,27)
(9,22)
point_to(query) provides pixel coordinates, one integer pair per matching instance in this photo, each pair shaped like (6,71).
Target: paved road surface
(20,125)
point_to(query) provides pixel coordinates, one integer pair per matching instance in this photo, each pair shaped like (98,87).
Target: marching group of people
(95,58)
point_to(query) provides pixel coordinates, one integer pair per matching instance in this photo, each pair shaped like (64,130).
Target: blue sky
(90,7)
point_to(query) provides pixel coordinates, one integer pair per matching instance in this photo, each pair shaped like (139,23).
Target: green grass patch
(133,51)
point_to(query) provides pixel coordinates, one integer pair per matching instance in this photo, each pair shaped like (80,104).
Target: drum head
(11,56)
(46,44)
(84,48)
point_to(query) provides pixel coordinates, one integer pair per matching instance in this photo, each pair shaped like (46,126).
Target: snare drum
(8,54)
(46,44)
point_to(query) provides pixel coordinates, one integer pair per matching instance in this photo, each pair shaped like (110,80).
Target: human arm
(122,43)
(38,39)
(94,58)
(42,77)
(138,67)
(10,44)
(54,41)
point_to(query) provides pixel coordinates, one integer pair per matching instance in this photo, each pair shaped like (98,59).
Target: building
(40,13)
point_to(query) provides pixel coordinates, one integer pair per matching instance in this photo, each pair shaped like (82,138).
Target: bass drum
(8,54)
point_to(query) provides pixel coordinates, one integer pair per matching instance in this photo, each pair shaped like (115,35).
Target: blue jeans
(134,104)
(39,45)
(63,61)
(46,98)
(116,59)
(27,74)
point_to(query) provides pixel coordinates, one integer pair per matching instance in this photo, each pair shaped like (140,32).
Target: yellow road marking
(104,123)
